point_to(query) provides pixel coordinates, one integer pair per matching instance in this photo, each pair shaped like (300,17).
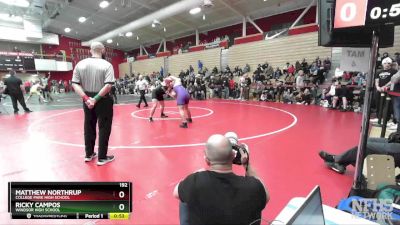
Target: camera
(236,146)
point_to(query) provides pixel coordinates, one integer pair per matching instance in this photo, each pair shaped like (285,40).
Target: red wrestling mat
(284,141)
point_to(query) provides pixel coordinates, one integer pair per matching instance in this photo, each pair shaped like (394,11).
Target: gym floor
(284,141)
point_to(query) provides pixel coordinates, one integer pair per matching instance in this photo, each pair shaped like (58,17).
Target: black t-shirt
(13,84)
(384,76)
(218,198)
(158,93)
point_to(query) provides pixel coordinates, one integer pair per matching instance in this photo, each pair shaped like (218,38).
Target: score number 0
(350,13)
(350,7)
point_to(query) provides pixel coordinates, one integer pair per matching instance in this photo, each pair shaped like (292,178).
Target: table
(332,216)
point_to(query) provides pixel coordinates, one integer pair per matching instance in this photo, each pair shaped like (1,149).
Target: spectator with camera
(217,195)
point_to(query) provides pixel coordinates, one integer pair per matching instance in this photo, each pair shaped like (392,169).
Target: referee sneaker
(92,80)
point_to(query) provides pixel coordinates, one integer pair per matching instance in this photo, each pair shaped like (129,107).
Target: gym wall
(210,59)
(278,51)
(147,66)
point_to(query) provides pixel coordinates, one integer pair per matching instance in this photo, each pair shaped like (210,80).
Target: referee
(142,85)
(92,80)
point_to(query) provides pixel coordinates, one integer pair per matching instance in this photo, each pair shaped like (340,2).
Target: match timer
(383,13)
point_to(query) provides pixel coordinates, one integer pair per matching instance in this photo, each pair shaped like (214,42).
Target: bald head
(219,149)
(96,47)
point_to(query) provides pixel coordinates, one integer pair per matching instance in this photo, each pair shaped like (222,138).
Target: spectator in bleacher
(203,87)
(258,90)
(395,66)
(397,57)
(277,73)
(269,72)
(299,96)
(288,96)
(247,87)
(242,84)
(327,64)
(346,76)
(215,70)
(285,68)
(300,79)
(307,97)
(314,69)
(256,76)
(291,69)
(279,91)
(328,94)
(304,65)
(359,79)
(318,62)
(225,87)
(314,95)
(227,69)
(236,91)
(270,91)
(319,78)
(342,93)
(298,66)
(246,68)
(289,79)
(191,91)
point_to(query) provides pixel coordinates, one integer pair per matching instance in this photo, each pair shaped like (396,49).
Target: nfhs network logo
(373,209)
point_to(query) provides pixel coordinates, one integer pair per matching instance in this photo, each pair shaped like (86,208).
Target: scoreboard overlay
(70,200)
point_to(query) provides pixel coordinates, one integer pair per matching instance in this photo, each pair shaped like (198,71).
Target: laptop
(310,212)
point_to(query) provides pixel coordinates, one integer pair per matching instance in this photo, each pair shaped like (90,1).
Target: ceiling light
(117,44)
(104,4)
(165,29)
(18,3)
(204,16)
(82,19)
(109,41)
(129,34)
(195,10)
(137,38)
(153,25)
(120,35)
(67,30)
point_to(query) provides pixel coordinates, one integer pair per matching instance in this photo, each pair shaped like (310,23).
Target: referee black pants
(103,113)
(20,98)
(142,97)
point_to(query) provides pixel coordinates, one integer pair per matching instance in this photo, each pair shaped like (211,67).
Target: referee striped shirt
(93,73)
